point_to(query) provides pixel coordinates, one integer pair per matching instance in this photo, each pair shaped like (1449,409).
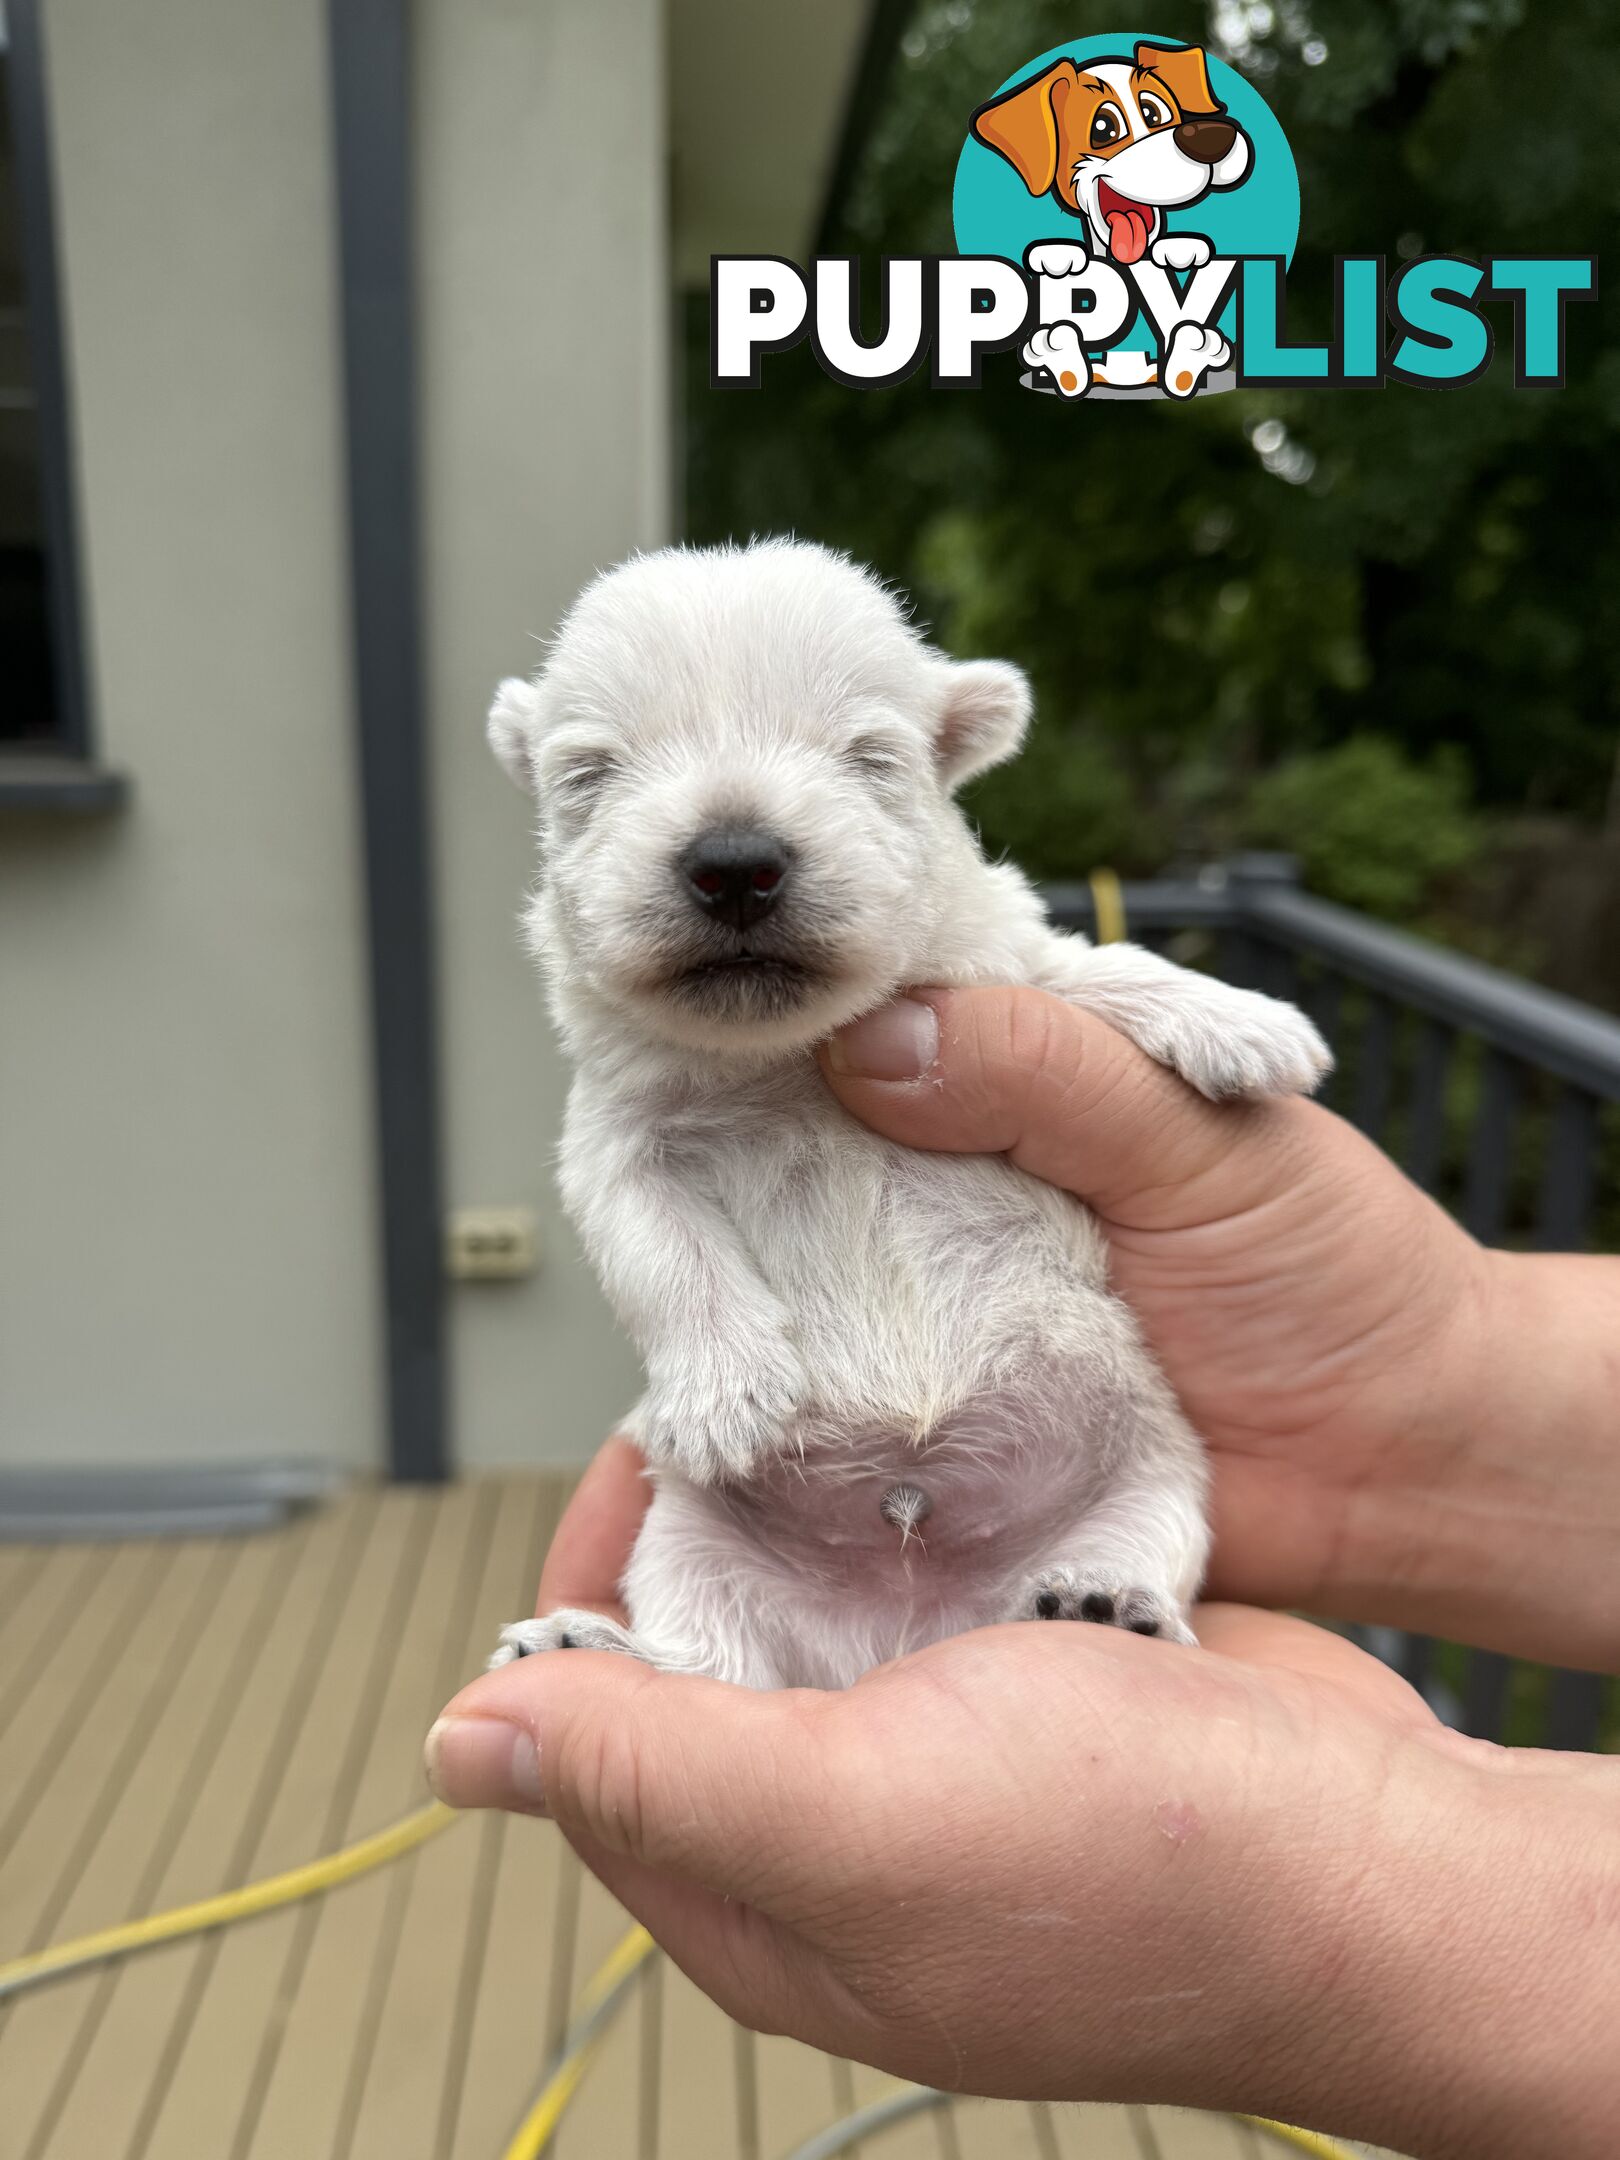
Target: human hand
(1066,1862)
(1402,1426)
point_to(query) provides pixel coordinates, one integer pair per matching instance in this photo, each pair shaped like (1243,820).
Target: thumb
(1022,1073)
(720,1786)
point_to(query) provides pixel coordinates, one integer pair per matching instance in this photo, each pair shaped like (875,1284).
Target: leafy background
(1379,627)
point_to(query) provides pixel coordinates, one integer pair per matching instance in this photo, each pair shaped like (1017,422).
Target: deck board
(154,1997)
(39,1604)
(125,1849)
(179,1719)
(401,2107)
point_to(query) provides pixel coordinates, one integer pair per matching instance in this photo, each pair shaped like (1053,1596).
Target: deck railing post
(1255,962)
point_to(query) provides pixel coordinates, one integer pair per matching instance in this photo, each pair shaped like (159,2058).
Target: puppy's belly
(989,1479)
(832,1584)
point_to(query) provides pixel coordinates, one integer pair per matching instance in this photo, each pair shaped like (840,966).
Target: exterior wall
(187,1259)
(541,164)
(188,1250)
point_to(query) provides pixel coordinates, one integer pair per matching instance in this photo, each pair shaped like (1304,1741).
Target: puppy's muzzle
(1205,141)
(734,876)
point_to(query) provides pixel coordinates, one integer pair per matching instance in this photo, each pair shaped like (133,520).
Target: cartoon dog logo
(1118,143)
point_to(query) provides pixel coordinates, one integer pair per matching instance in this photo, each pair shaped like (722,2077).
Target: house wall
(186,1252)
(541,215)
(188,1255)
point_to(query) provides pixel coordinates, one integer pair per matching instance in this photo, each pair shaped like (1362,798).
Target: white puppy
(890,1395)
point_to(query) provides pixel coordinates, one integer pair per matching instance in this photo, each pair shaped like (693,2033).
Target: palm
(895,1921)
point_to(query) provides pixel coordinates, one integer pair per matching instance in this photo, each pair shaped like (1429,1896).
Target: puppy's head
(1119,142)
(743,761)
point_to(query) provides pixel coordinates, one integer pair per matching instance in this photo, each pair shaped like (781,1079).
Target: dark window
(28,703)
(42,703)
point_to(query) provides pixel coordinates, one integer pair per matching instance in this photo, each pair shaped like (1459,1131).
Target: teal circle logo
(1120,145)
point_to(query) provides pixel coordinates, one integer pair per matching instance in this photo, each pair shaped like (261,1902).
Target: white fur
(825,1315)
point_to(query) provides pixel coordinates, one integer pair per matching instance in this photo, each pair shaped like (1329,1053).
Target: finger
(1022,1073)
(720,1786)
(589,1552)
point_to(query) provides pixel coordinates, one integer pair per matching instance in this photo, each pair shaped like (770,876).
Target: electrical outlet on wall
(491,1244)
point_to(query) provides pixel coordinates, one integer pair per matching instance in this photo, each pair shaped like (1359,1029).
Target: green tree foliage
(1204,594)
(1370,825)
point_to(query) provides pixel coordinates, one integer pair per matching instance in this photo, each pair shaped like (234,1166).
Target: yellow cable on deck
(285,1889)
(602,1992)
(1307,2141)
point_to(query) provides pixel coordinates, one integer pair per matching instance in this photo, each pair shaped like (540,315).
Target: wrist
(1452,1993)
(1495,1517)
(1533,1545)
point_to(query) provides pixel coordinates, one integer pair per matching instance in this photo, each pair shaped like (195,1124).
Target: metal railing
(1501,1099)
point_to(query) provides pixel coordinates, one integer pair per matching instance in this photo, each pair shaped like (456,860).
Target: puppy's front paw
(1065,1593)
(566,1630)
(1240,1043)
(1057,259)
(1180,251)
(717,1426)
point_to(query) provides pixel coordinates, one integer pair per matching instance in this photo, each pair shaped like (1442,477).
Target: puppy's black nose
(734,875)
(1206,140)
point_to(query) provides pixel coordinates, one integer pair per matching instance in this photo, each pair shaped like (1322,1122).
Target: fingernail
(897,1042)
(477,1762)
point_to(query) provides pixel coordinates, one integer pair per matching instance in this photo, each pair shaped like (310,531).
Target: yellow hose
(602,1989)
(1108,900)
(1306,2141)
(299,1882)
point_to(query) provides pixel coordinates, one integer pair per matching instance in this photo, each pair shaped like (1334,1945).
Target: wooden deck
(176,1719)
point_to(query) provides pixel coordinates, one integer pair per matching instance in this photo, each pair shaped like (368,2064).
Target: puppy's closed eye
(879,758)
(582,775)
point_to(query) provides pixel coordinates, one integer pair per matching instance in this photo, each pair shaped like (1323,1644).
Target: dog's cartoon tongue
(1129,224)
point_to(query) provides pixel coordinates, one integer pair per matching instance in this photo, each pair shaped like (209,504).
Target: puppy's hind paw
(1194,352)
(1059,352)
(566,1630)
(1074,1594)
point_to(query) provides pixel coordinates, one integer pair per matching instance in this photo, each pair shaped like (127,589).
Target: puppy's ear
(983,718)
(1184,71)
(1023,125)
(514,721)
